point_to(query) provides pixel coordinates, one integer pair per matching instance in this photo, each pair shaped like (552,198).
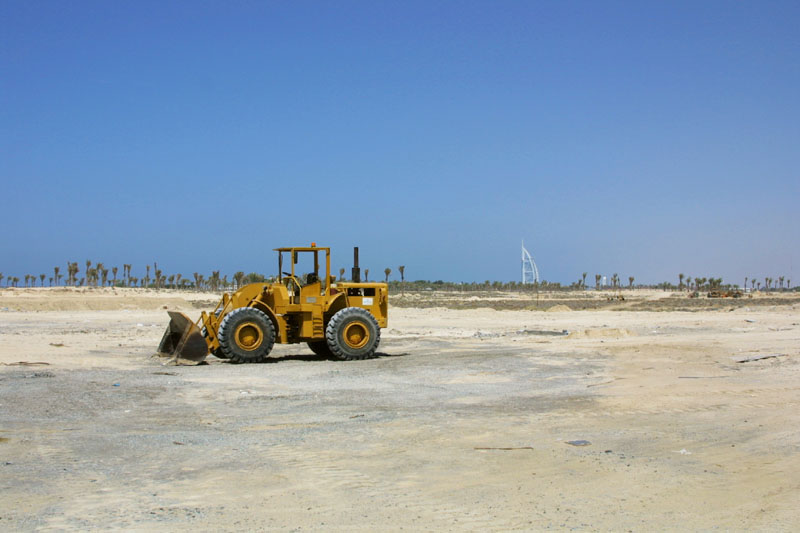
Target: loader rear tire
(246,335)
(320,348)
(353,334)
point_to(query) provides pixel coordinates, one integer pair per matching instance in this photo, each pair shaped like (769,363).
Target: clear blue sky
(644,138)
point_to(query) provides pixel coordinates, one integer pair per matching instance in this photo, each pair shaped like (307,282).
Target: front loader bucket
(182,340)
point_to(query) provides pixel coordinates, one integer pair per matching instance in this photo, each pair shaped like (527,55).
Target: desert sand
(652,413)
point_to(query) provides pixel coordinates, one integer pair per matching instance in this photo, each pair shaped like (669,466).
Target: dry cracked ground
(469,420)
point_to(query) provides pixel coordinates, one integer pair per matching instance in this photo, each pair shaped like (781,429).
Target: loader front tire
(246,335)
(353,334)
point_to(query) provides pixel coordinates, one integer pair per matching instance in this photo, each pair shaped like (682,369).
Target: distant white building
(530,272)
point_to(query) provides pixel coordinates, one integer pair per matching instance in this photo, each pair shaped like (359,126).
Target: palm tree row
(699,283)
(97,275)
(599,284)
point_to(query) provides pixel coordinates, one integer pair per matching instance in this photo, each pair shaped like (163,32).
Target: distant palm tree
(630,282)
(781,278)
(56,270)
(99,267)
(680,280)
(341,274)
(178,279)
(387,271)
(745,282)
(753,282)
(597,278)
(615,280)
(1,278)
(70,273)
(366,274)
(41,278)
(51,281)
(214,280)
(583,281)
(114,271)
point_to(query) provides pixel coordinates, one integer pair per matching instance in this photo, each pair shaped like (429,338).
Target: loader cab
(299,269)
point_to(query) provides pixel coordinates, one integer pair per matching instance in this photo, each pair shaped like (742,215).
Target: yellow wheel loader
(341,320)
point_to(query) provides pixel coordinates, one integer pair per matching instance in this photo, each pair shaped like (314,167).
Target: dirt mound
(560,308)
(612,333)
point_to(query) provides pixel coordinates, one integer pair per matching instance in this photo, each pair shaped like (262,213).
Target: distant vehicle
(730,293)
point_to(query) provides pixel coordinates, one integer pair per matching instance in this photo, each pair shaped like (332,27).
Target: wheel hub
(248,336)
(356,335)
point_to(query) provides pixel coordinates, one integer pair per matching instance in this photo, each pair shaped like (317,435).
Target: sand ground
(461,424)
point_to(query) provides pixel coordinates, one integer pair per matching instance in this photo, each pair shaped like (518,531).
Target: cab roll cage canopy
(313,249)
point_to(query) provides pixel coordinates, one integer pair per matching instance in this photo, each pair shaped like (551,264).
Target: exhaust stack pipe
(356,274)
